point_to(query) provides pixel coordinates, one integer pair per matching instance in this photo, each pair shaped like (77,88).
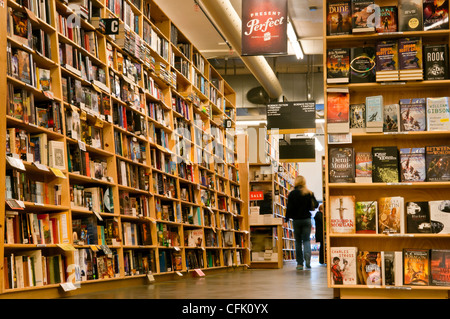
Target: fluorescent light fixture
(292,36)
(319,146)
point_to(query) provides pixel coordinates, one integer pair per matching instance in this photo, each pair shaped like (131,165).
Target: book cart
(419,191)
(141,179)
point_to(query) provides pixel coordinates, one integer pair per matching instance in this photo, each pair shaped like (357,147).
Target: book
(418,218)
(342,214)
(412,164)
(343,265)
(369,268)
(374,113)
(388,21)
(435,15)
(387,65)
(362,10)
(437,159)
(438,114)
(413,115)
(362,64)
(339,18)
(341,165)
(392,268)
(391,118)
(338,104)
(416,267)
(410,58)
(385,161)
(440,216)
(410,15)
(357,118)
(366,217)
(435,59)
(391,215)
(56,157)
(363,167)
(338,65)
(440,267)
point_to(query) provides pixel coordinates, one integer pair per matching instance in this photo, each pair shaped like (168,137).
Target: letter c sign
(111,26)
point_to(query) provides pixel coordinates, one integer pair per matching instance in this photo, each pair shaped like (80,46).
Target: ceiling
(192,22)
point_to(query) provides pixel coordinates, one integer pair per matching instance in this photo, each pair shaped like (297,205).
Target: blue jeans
(302,234)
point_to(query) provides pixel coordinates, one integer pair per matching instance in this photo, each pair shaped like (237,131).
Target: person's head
(300,182)
(321,208)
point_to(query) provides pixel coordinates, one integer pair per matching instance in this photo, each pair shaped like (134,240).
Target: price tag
(66,247)
(68,286)
(16,163)
(57,172)
(150,277)
(199,272)
(179,273)
(41,167)
(177,248)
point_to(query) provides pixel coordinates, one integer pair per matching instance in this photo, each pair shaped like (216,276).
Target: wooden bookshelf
(392,92)
(150,115)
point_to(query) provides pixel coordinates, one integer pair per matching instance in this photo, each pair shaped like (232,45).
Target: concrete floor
(285,283)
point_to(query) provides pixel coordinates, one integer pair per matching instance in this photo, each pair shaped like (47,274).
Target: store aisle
(286,283)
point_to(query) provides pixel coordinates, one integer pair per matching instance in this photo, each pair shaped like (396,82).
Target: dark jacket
(318,218)
(299,206)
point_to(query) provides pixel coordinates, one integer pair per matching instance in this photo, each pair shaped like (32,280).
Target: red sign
(257,195)
(264,27)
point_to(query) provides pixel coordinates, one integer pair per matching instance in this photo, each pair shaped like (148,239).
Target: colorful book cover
(392,266)
(391,215)
(435,57)
(440,216)
(435,15)
(385,161)
(361,12)
(366,217)
(386,56)
(416,267)
(388,19)
(338,104)
(343,265)
(363,167)
(342,214)
(438,163)
(362,64)
(412,164)
(24,64)
(418,218)
(440,267)
(410,15)
(338,65)
(391,118)
(410,53)
(413,115)
(374,113)
(357,117)
(369,268)
(341,165)
(438,114)
(339,18)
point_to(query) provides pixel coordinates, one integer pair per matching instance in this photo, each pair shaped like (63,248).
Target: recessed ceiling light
(312,8)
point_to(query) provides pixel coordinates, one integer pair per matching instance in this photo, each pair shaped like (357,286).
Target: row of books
(164,185)
(129,147)
(408,267)
(95,199)
(374,116)
(167,235)
(388,215)
(86,164)
(137,262)
(94,265)
(129,120)
(134,234)
(133,176)
(366,16)
(90,231)
(387,164)
(134,205)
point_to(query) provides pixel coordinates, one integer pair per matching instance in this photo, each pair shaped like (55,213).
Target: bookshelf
(143,177)
(392,92)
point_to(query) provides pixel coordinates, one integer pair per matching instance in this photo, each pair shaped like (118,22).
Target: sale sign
(259,195)
(264,27)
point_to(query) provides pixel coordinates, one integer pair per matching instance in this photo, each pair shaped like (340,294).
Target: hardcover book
(361,12)
(410,58)
(385,163)
(338,65)
(343,265)
(366,217)
(387,67)
(388,20)
(363,167)
(391,118)
(362,64)
(438,114)
(438,163)
(435,57)
(391,215)
(412,164)
(435,15)
(418,218)
(341,165)
(416,267)
(338,104)
(413,115)
(369,268)
(440,216)
(374,113)
(357,117)
(392,267)
(440,267)
(410,15)
(339,18)
(342,214)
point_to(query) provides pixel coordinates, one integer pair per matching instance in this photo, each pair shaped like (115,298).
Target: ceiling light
(292,36)
(312,8)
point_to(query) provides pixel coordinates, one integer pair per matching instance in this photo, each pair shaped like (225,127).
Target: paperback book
(435,15)
(413,115)
(410,15)
(342,214)
(410,58)
(392,266)
(338,65)
(338,104)
(362,64)
(374,114)
(435,57)
(366,217)
(343,265)
(363,167)
(339,18)
(391,118)
(440,216)
(418,218)
(357,118)
(412,164)
(385,164)
(437,159)
(369,268)
(361,12)
(416,267)
(440,267)
(438,114)
(391,215)
(388,20)
(387,66)
(341,165)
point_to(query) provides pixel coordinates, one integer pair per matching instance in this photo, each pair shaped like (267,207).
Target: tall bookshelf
(419,191)
(149,185)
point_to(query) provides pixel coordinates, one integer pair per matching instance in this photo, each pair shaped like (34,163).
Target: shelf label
(392,83)
(395,133)
(16,163)
(150,277)
(57,172)
(98,215)
(199,272)
(398,288)
(177,248)
(398,184)
(179,273)
(41,167)
(68,286)
(401,235)
(66,247)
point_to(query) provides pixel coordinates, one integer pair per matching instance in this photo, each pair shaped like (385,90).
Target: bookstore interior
(149,141)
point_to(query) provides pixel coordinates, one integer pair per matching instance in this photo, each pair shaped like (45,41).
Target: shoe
(300,267)
(308,266)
